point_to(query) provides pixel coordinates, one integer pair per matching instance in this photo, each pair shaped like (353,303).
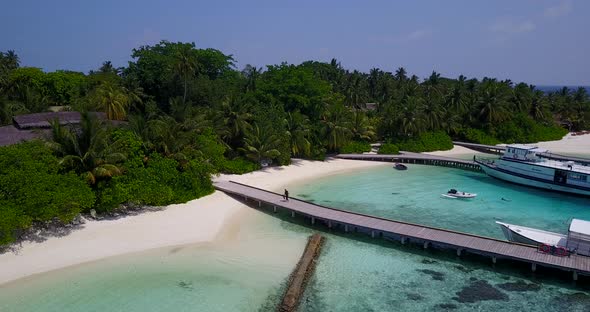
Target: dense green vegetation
(427,142)
(190,113)
(388,148)
(32,189)
(355,147)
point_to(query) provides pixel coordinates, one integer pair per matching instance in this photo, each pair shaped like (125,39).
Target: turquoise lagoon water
(248,271)
(357,275)
(415,196)
(243,272)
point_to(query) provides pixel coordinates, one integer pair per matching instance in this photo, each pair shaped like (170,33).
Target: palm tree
(87,150)
(455,100)
(185,65)
(235,115)
(336,126)
(179,109)
(411,117)
(375,76)
(298,130)
(537,105)
(355,89)
(108,68)
(433,114)
(8,61)
(261,145)
(252,74)
(361,128)
(113,100)
(401,74)
(522,97)
(492,103)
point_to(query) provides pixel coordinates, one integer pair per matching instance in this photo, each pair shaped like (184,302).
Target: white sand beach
(198,221)
(455,152)
(570,144)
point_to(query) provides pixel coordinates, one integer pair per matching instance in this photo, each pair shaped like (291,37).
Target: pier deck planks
(469,242)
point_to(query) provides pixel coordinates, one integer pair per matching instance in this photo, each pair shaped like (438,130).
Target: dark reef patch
(437,276)
(463,269)
(447,306)
(428,261)
(479,291)
(573,300)
(520,286)
(414,296)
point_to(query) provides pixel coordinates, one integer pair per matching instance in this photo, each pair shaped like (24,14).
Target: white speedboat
(577,239)
(453,193)
(528,165)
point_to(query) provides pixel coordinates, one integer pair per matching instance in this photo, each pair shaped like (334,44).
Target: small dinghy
(399,166)
(453,193)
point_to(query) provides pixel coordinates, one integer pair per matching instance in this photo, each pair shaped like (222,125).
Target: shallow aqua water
(414,196)
(357,275)
(243,273)
(248,271)
(361,276)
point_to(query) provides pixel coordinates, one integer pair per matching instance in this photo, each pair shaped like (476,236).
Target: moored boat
(576,240)
(399,166)
(453,193)
(526,165)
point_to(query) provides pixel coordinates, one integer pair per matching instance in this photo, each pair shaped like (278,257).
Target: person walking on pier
(286,195)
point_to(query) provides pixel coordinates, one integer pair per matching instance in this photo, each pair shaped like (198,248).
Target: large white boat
(524,165)
(576,240)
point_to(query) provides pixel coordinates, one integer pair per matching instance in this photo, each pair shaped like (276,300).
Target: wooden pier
(489,149)
(416,158)
(408,232)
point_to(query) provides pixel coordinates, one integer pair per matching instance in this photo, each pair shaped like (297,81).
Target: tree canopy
(184,113)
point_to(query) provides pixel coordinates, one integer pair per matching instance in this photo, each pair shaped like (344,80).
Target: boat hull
(530,236)
(517,238)
(517,179)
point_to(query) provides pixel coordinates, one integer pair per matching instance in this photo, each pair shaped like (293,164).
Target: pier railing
(416,158)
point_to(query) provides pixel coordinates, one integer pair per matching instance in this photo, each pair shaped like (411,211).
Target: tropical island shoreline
(198,221)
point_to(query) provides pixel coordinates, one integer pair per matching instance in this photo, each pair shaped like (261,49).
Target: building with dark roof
(42,120)
(34,126)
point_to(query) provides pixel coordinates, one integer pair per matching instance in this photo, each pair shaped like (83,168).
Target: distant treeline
(190,113)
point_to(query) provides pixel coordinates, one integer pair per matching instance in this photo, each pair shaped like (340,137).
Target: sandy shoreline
(569,144)
(198,221)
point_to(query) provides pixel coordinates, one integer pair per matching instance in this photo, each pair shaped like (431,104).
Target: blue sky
(542,42)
